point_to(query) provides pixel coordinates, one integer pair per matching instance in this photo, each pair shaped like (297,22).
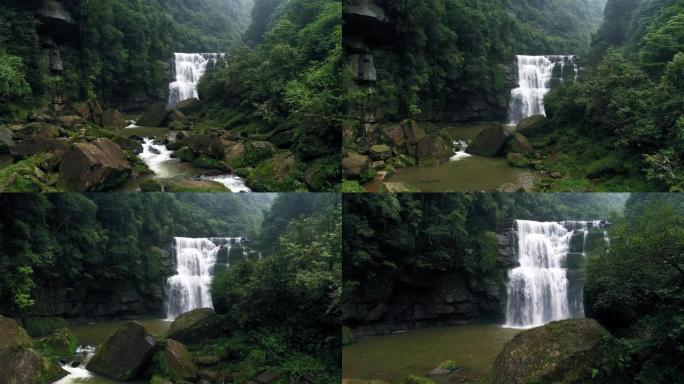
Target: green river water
(473,173)
(417,352)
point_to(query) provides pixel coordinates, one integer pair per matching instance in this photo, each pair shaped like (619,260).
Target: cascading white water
(460,148)
(76,367)
(155,156)
(537,290)
(190,67)
(534,82)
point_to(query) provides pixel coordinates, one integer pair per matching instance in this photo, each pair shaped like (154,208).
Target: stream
(463,172)
(393,357)
(158,158)
(92,335)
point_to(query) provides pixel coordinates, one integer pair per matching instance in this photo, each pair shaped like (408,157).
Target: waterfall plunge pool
(417,352)
(464,172)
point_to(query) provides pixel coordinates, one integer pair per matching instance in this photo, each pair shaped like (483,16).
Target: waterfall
(460,148)
(155,156)
(188,289)
(538,290)
(534,82)
(190,67)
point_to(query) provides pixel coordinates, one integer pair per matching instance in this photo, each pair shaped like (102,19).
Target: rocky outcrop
(95,166)
(90,111)
(20,362)
(6,139)
(566,351)
(176,361)
(490,142)
(415,298)
(198,324)
(124,354)
(155,115)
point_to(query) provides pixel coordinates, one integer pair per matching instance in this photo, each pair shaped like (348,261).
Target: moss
(42,326)
(282,172)
(210,163)
(352,186)
(608,165)
(449,365)
(413,379)
(151,185)
(61,344)
(185,154)
(28,175)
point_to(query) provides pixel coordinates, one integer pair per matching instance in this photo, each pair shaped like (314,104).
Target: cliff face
(107,298)
(413,299)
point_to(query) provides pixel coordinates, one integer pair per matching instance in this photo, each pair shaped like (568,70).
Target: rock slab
(125,354)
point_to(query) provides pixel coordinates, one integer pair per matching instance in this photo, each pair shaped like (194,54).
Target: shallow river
(464,172)
(393,357)
(91,335)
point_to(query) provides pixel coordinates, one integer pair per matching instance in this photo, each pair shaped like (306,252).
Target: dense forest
(57,248)
(400,246)
(76,72)
(619,126)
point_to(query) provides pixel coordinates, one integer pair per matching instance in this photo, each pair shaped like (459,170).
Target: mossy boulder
(519,144)
(321,174)
(126,353)
(189,106)
(205,161)
(412,131)
(71,122)
(42,326)
(151,185)
(37,144)
(490,141)
(356,166)
(29,175)
(198,324)
(175,361)
(155,115)
(432,150)
(38,129)
(20,363)
(380,152)
(564,352)
(187,185)
(395,135)
(517,160)
(185,154)
(113,119)
(532,126)
(352,186)
(127,144)
(205,144)
(62,343)
(282,172)
(95,166)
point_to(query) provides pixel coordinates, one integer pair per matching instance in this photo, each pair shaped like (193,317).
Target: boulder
(412,131)
(35,145)
(445,368)
(395,134)
(21,364)
(95,166)
(432,150)
(519,144)
(205,144)
(96,111)
(128,144)
(176,361)
(489,142)
(380,152)
(62,343)
(6,139)
(282,172)
(531,126)
(198,324)
(234,154)
(355,165)
(517,160)
(189,106)
(71,122)
(565,351)
(177,120)
(113,119)
(124,354)
(155,115)
(83,110)
(38,129)
(321,174)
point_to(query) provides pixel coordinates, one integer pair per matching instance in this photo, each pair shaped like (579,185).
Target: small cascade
(460,148)
(190,67)
(77,366)
(539,289)
(534,82)
(196,259)
(236,184)
(155,156)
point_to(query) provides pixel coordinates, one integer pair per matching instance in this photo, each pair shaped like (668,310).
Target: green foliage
(636,287)
(12,81)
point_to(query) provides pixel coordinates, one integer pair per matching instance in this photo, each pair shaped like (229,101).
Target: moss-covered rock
(519,144)
(532,126)
(432,150)
(29,175)
(95,166)
(322,174)
(490,141)
(151,185)
(155,115)
(348,336)
(413,379)
(356,166)
(194,186)
(198,324)
(37,129)
(61,343)
(42,326)
(124,354)
(128,144)
(189,106)
(564,352)
(282,172)
(211,163)
(380,152)
(175,361)
(517,160)
(185,154)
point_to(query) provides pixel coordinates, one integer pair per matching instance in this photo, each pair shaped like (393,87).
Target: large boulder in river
(20,363)
(432,150)
(124,354)
(356,166)
(198,324)
(561,352)
(176,361)
(155,115)
(519,144)
(95,166)
(205,144)
(532,126)
(189,106)
(113,119)
(413,132)
(490,141)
